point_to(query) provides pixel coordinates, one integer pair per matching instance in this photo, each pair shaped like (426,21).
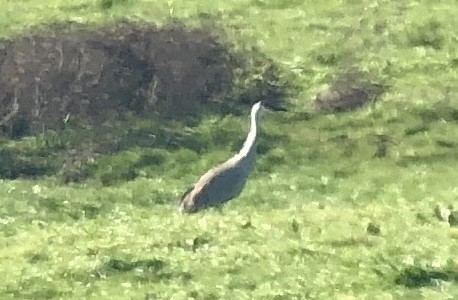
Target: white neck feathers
(250,143)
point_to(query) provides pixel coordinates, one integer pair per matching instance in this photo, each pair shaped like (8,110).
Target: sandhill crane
(227,180)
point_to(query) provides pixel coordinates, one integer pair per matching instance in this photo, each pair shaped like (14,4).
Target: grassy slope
(305,235)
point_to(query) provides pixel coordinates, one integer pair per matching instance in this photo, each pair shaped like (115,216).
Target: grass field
(322,216)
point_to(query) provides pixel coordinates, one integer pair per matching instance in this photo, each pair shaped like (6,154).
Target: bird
(226,181)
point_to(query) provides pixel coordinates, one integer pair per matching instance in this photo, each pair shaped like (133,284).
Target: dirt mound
(349,91)
(69,71)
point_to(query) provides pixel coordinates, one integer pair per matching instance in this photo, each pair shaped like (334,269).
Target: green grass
(299,230)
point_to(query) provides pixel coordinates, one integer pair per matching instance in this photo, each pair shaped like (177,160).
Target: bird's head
(269,106)
(260,107)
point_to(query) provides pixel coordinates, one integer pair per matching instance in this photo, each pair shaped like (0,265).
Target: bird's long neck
(249,146)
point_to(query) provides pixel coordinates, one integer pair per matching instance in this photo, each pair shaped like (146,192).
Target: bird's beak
(276,107)
(279,108)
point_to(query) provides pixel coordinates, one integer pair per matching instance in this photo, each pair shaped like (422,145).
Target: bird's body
(227,180)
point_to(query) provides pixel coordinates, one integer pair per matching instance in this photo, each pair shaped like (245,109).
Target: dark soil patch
(70,71)
(349,91)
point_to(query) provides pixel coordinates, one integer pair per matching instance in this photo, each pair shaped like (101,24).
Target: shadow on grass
(439,112)
(114,155)
(14,164)
(114,266)
(147,270)
(415,277)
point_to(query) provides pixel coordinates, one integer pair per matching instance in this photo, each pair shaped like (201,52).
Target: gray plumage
(227,180)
